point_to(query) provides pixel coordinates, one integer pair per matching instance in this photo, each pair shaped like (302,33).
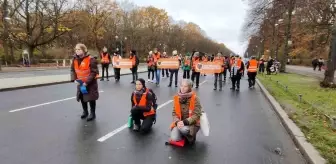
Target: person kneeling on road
(186,114)
(143,107)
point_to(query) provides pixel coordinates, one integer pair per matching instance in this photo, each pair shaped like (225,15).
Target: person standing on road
(135,63)
(84,68)
(142,101)
(186,114)
(218,76)
(252,67)
(237,69)
(150,66)
(164,55)
(186,66)
(226,67)
(156,57)
(195,60)
(105,59)
(174,71)
(115,59)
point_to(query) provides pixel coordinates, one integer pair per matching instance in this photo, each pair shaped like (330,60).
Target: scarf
(184,96)
(140,92)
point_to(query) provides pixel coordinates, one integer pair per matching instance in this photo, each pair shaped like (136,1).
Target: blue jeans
(158,76)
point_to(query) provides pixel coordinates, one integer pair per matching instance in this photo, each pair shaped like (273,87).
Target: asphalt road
(44,127)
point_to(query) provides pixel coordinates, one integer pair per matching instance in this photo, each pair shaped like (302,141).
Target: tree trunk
(287,34)
(329,73)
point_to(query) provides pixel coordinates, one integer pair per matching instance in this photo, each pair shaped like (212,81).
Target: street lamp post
(121,45)
(5,19)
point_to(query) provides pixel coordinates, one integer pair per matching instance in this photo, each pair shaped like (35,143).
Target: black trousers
(235,82)
(117,73)
(262,68)
(134,73)
(105,68)
(186,74)
(251,78)
(85,105)
(224,73)
(150,70)
(172,73)
(147,123)
(163,72)
(218,77)
(197,76)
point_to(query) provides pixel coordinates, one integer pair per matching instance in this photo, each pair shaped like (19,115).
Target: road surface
(43,125)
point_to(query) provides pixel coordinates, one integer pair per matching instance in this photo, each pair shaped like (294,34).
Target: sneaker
(136,127)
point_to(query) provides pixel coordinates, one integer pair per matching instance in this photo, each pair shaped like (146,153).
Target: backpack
(155,106)
(154,98)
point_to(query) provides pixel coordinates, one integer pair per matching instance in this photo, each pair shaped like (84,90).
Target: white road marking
(114,132)
(47,103)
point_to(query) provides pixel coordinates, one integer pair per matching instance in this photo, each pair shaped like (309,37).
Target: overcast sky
(220,19)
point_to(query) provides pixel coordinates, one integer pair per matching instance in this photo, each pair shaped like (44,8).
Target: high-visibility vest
(204,58)
(116,58)
(253,65)
(83,70)
(178,112)
(105,58)
(143,102)
(133,59)
(237,64)
(156,57)
(150,61)
(195,62)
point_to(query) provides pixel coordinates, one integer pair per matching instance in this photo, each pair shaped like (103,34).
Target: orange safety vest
(156,57)
(105,58)
(83,70)
(115,58)
(219,59)
(253,65)
(150,62)
(195,62)
(143,102)
(204,58)
(133,60)
(178,111)
(239,62)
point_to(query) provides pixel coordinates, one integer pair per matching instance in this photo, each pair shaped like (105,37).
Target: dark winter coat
(92,84)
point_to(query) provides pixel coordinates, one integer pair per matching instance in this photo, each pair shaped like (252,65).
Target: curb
(307,149)
(52,83)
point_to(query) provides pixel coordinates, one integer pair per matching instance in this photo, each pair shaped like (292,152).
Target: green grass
(309,114)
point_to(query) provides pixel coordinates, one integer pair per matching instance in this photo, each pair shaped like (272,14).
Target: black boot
(85,113)
(92,115)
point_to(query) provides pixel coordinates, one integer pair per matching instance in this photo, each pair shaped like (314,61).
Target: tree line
(299,30)
(50,29)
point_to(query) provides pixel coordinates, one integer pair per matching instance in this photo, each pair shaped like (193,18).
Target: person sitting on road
(186,114)
(84,68)
(143,107)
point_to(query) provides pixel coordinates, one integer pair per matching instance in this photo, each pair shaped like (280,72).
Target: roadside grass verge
(309,113)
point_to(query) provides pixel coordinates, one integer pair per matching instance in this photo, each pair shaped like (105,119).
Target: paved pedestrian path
(32,81)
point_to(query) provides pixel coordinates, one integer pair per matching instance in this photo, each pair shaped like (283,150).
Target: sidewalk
(35,81)
(307,71)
